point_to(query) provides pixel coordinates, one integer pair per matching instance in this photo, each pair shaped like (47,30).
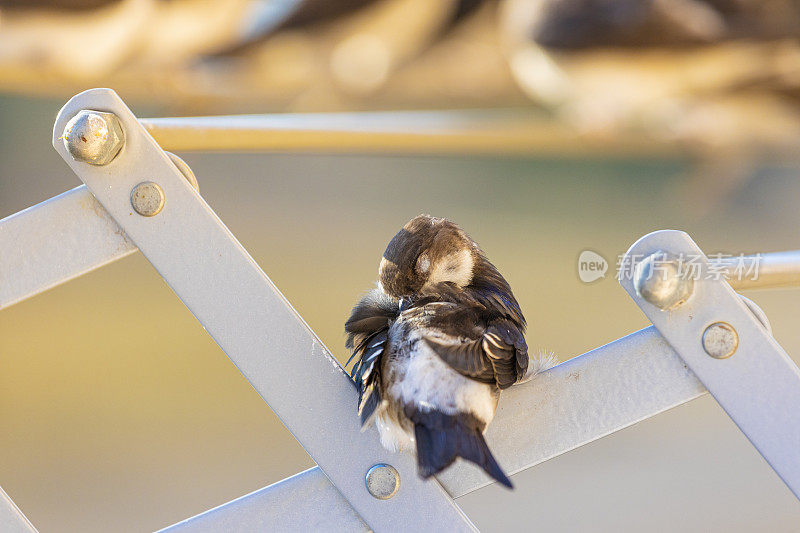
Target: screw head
(383,481)
(94,137)
(147,199)
(659,279)
(720,340)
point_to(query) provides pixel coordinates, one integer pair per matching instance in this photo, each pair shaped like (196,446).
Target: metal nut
(94,137)
(383,481)
(659,280)
(147,199)
(720,340)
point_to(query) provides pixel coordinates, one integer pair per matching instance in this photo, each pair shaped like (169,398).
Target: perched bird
(435,343)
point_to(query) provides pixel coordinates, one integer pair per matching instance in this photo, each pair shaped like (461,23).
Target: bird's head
(426,252)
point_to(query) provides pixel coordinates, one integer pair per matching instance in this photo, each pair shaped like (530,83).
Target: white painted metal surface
(54,242)
(253,323)
(775,269)
(304,502)
(759,385)
(11,518)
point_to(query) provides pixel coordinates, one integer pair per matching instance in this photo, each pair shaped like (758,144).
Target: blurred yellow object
(68,46)
(703,91)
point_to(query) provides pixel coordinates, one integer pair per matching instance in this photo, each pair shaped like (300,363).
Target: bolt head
(660,280)
(383,481)
(147,199)
(720,340)
(93,137)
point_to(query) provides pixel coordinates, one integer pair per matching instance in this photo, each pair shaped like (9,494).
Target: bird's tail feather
(441,438)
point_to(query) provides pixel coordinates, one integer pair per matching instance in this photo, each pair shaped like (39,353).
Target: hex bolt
(659,280)
(93,137)
(147,199)
(383,481)
(720,340)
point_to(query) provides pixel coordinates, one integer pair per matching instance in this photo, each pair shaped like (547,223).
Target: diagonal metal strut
(210,271)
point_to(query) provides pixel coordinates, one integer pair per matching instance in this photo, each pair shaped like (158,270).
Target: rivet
(383,481)
(720,340)
(93,137)
(659,280)
(147,199)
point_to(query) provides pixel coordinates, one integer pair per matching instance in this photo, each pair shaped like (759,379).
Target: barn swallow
(435,342)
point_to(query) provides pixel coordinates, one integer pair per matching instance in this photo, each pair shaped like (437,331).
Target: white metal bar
(55,241)
(71,234)
(252,322)
(772,270)
(509,131)
(304,502)
(11,518)
(581,400)
(758,385)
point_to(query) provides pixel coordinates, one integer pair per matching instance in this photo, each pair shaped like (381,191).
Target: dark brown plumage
(434,344)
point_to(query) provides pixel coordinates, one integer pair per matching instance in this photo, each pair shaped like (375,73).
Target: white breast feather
(421,378)
(394,437)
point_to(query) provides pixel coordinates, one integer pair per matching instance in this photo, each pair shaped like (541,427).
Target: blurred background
(638,116)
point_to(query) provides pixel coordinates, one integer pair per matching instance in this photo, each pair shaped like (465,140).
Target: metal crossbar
(586,398)
(425,132)
(71,234)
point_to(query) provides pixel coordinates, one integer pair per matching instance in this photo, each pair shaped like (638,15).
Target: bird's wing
(367,336)
(500,355)
(366,374)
